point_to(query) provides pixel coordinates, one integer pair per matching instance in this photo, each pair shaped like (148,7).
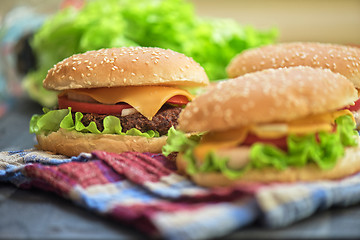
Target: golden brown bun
(338,58)
(272,95)
(71,143)
(127,66)
(345,166)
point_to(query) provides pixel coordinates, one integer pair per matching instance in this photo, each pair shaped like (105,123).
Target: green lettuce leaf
(178,141)
(347,130)
(322,148)
(48,122)
(51,121)
(169,24)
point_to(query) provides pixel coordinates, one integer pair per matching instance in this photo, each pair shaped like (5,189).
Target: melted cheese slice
(217,140)
(310,124)
(145,99)
(234,137)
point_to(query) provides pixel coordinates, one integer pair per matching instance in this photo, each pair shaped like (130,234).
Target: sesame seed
(74,68)
(133,74)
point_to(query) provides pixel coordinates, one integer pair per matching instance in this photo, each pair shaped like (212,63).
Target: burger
(274,125)
(116,100)
(338,58)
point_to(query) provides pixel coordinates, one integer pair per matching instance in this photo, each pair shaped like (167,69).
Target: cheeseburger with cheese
(116,100)
(275,125)
(338,58)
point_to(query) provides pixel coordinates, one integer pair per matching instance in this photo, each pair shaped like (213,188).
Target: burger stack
(116,100)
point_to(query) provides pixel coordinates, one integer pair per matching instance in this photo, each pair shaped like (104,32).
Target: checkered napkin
(143,191)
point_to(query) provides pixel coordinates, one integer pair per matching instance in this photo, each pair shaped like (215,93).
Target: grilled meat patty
(161,122)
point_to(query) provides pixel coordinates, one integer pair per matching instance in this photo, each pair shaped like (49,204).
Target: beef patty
(161,122)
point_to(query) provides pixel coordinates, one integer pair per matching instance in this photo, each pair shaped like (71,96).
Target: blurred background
(36,34)
(335,21)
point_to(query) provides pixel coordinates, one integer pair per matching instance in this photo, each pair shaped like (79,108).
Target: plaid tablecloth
(144,191)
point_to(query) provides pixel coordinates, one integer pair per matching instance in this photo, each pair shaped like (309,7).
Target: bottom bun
(345,166)
(71,143)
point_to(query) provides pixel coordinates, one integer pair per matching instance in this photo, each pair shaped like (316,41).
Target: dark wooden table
(35,214)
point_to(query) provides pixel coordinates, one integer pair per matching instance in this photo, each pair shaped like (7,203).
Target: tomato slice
(86,107)
(178,99)
(100,108)
(279,142)
(354,107)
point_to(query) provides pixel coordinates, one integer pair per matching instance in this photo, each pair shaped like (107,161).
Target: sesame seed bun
(347,165)
(127,66)
(338,58)
(72,143)
(272,95)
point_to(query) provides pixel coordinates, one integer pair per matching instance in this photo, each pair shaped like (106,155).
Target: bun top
(268,96)
(127,66)
(338,58)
